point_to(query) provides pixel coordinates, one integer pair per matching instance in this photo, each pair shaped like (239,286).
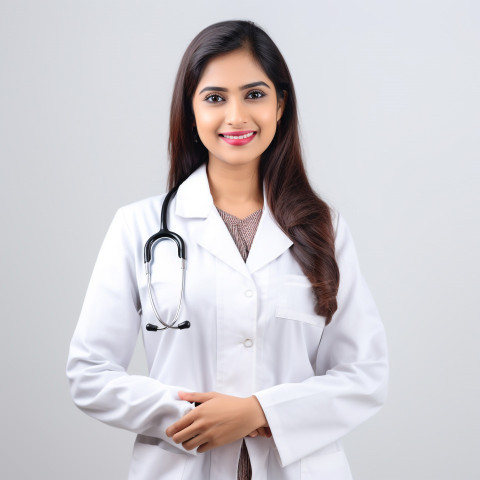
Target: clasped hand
(220,419)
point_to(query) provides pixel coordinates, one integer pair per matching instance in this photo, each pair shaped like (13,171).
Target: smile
(238,138)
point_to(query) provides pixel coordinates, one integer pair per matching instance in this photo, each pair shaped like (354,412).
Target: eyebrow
(243,87)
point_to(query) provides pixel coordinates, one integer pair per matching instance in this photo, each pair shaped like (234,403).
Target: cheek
(206,121)
(268,121)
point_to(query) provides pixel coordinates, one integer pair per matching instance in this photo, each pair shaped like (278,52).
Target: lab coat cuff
(280,437)
(188,407)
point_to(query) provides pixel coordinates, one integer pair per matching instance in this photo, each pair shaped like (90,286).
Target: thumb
(198,397)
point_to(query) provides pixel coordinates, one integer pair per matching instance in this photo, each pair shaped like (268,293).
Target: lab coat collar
(194,200)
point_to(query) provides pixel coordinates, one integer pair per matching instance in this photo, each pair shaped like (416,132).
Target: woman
(285,353)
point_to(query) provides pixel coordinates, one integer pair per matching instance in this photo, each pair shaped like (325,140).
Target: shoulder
(139,218)
(343,236)
(142,209)
(142,206)
(335,217)
(338,222)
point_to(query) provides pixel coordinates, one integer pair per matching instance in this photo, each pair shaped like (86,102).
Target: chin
(238,162)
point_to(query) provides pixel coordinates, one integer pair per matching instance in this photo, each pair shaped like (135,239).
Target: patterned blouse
(242,231)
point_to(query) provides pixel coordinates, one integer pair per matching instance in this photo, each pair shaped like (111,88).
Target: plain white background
(389,100)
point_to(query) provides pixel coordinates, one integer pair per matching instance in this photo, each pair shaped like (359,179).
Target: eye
(214,98)
(255,94)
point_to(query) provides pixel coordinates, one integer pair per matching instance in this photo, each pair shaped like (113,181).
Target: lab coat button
(248,343)
(248,293)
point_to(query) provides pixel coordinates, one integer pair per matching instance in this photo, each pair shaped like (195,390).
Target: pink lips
(247,137)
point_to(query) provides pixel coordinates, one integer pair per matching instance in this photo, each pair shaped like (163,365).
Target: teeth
(235,137)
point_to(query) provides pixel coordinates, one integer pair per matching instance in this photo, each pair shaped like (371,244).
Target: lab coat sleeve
(350,384)
(103,343)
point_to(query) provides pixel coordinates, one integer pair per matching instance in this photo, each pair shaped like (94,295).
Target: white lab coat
(253,331)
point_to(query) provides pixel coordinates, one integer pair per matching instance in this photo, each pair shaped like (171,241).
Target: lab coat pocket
(296,301)
(151,462)
(331,466)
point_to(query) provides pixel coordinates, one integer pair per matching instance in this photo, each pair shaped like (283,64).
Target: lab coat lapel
(213,235)
(195,201)
(268,244)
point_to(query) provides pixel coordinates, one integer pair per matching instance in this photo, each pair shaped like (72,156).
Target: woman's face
(236,109)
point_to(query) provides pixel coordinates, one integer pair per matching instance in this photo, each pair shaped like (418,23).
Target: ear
(281,105)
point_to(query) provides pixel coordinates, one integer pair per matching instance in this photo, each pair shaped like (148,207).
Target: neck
(235,188)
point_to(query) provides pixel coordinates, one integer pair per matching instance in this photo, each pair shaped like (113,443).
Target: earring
(195,134)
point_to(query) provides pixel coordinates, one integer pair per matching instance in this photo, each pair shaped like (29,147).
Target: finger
(187,434)
(261,432)
(205,447)
(181,424)
(193,442)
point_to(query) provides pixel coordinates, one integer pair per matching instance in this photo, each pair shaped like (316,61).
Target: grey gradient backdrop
(389,101)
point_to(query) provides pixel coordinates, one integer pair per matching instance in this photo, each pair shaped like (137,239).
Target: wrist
(258,416)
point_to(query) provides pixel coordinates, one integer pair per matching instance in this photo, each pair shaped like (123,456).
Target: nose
(236,113)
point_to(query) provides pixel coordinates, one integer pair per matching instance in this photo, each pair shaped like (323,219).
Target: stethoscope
(165,234)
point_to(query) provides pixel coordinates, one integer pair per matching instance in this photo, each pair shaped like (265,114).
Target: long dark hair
(299,212)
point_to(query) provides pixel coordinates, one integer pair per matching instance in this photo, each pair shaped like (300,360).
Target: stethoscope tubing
(165,234)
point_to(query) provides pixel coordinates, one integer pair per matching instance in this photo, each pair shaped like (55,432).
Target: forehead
(232,69)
